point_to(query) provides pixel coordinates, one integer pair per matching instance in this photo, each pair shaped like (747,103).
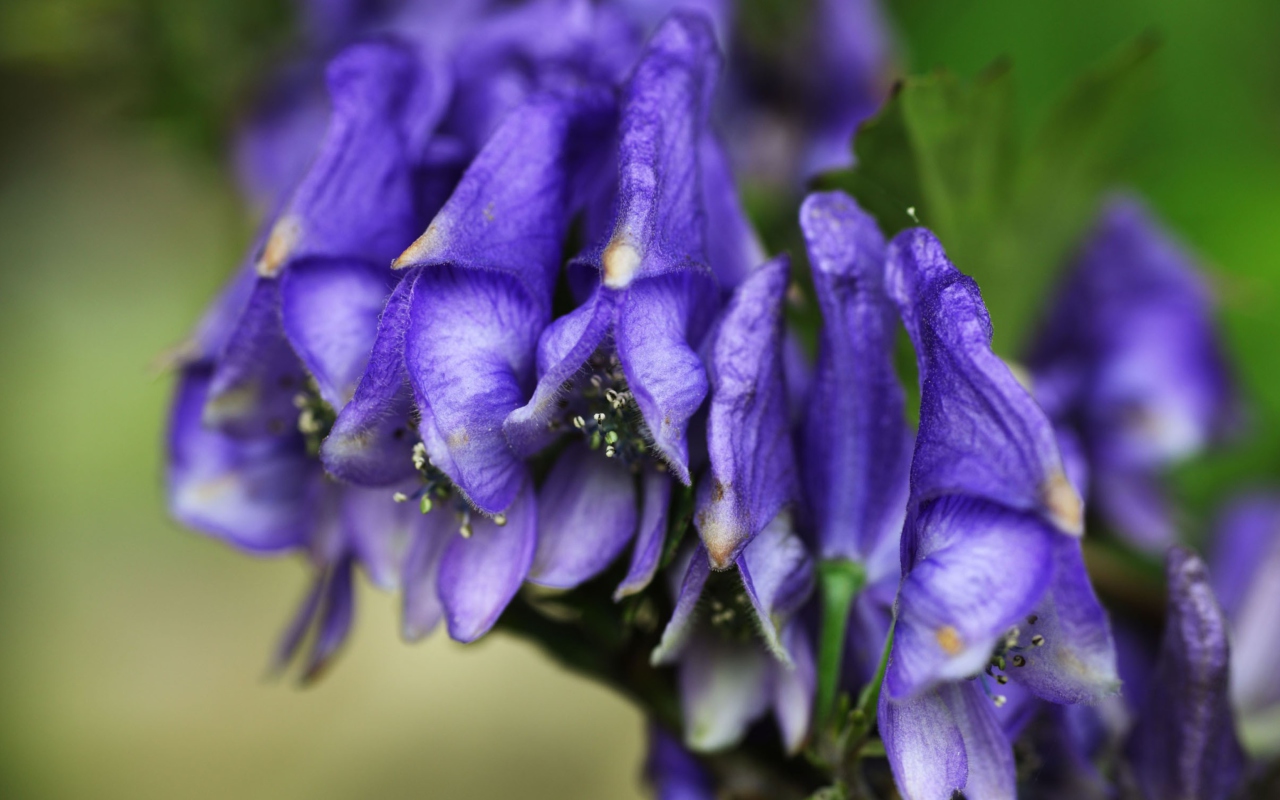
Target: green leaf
(944,151)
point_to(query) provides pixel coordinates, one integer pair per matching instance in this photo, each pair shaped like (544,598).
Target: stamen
(1037,640)
(1019,661)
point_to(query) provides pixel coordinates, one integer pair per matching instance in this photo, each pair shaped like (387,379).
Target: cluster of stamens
(599,404)
(727,607)
(315,416)
(1008,653)
(436,489)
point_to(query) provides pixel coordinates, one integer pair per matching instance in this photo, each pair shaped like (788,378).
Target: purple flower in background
(1244,566)
(621,370)
(993,577)
(856,443)
(1185,745)
(1130,361)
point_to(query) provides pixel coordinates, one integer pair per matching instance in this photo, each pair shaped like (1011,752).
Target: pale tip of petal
(422,248)
(621,263)
(280,244)
(1063,504)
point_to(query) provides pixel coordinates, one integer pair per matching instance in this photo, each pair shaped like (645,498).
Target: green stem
(839,582)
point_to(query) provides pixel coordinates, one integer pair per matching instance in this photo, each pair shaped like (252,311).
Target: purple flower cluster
(510,310)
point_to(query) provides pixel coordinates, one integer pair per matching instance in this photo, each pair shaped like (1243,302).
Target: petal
(724,687)
(947,741)
(510,211)
(1245,566)
(253,385)
(586,516)
(680,628)
(300,624)
(469,351)
(1185,744)
(357,198)
(980,433)
(734,249)
(857,446)
(673,772)
(257,494)
(1077,661)
(665,375)
(370,442)
(987,569)
(422,609)
(778,577)
(793,688)
(330,309)
(334,621)
(1133,500)
(378,530)
(752,471)
(563,349)
(479,575)
(651,535)
(660,223)
(850,66)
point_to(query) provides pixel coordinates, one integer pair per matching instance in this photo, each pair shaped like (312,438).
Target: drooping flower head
(993,578)
(1129,360)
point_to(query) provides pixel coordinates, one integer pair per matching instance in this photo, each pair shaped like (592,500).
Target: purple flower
(673,772)
(856,443)
(993,577)
(1243,568)
(1129,359)
(621,370)
(727,678)
(1184,745)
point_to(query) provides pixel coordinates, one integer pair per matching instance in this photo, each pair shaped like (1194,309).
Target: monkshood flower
(455,349)
(1129,360)
(1184,746)
(994,587)
(856,444)
(621,371)
(284,345)
(739,650)
(1244,565)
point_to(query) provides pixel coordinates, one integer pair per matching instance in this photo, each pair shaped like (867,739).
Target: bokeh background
(133,653)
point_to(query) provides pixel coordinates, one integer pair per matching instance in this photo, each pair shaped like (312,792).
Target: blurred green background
(132,652)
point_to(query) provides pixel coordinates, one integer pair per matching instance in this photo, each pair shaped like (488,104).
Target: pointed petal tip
(1063,505)
(280,245)
(423,249)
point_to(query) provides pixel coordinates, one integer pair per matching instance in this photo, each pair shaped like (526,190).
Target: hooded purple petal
(980,432)
(357,198)
(734,248)
(793,688)
(488,262)
(692,576)
(370,443)
(651,535)
(257,494)
(857,447)
(480,574)
(753,468)
(1185,744)
(586,516)
(946,741)
(979,571)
